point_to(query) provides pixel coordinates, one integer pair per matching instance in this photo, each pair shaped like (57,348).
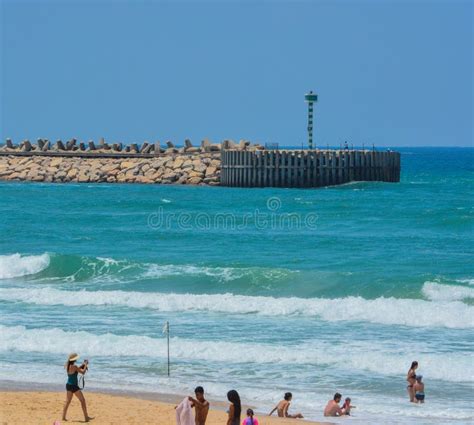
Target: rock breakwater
(201,168)
(89,162)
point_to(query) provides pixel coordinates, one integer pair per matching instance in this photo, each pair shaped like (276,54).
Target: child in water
(346,407)
(419,389)
(250,420)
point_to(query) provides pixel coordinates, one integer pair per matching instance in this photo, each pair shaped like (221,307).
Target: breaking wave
(439,292)
(17,265)
(74,268)
(387,311)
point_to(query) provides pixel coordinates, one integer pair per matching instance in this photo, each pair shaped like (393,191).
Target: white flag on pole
(166,328)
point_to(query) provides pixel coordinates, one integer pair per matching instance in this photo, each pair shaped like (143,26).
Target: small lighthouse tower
(310,98)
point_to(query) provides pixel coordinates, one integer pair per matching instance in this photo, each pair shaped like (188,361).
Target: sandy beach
(43,408)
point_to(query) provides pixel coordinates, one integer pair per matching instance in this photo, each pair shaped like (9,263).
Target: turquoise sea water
(266,290)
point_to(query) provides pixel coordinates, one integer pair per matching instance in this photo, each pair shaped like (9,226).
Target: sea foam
(438,292)
(386,311)
(352,355)
(17,265)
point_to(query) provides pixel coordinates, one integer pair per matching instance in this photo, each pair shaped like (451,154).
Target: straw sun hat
(73,357)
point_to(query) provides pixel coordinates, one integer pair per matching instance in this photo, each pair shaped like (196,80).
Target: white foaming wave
(468,281)
(351,356)
(225,274)
(387,311)
(17,265)
(438,292)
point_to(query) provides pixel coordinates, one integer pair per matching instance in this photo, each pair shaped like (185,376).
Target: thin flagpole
(168,337)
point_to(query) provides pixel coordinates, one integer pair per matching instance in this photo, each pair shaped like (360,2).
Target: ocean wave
(387,311)
(17,265)
(74,268)
(222,274)
(438,292)
(468,281)
(352,355)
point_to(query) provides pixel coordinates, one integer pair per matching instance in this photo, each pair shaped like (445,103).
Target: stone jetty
(228,163)
(96,162)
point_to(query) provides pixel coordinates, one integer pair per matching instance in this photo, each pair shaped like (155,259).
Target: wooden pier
(307,168)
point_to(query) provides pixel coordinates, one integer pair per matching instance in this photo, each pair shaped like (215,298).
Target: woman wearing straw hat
(72,386)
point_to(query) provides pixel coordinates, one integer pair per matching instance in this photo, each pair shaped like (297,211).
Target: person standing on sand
(332,408)
(419,390)
(235,408)
(72,386)
(283,406)
(201,406)
(411,379)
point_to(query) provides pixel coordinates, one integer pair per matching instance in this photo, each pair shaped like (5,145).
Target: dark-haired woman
(411,379)
(72,386)
(235,408)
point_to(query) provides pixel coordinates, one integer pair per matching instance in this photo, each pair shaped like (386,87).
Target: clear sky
(393,73)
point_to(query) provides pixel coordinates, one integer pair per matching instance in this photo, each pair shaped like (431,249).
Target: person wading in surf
(72,386)
(332,408)
(419,389)
(411,379)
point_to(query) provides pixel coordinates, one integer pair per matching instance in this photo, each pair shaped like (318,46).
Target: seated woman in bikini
(283,406)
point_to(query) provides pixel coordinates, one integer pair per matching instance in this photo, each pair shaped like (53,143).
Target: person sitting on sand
(72,385)
(411,378)
(250,419)
(332,408)
(235,408)
(346,407)
(419,389)
(283,406)
(201,406)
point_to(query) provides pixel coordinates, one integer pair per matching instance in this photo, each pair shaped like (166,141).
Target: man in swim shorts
(419,388)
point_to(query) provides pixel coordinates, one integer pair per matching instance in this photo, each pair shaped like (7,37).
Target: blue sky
(389,73)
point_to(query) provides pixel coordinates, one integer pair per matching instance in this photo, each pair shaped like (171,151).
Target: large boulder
(210,171)
(194,180)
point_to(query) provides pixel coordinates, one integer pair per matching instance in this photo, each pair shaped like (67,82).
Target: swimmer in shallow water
(419,389)
(411,379)
(347,406)
(333,408)
(283,406)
